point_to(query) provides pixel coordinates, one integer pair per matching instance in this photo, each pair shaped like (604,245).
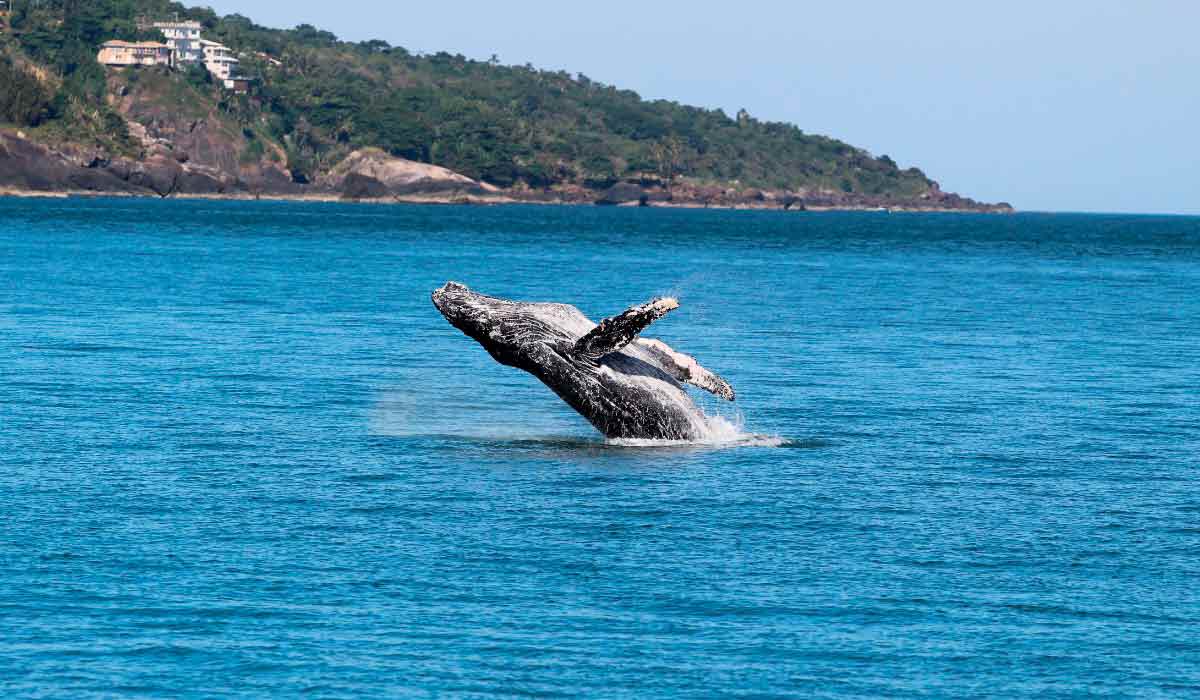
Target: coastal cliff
(319,118)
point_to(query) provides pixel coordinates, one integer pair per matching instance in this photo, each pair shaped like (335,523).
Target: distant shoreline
(478,200)
(30,168)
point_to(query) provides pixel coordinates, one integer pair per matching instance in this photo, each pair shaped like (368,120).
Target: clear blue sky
(1066,105)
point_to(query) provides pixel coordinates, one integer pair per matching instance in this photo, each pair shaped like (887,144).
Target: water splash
(720,432)
(408,415)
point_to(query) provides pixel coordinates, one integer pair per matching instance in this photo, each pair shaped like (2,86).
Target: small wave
(73,347)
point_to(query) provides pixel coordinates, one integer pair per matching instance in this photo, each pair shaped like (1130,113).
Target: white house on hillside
(184,40)
(184,45)
(219,59)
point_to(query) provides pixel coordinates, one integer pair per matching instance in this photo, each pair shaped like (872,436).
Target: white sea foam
(720,432)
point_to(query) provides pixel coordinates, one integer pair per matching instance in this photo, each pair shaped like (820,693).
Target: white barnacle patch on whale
(626,389)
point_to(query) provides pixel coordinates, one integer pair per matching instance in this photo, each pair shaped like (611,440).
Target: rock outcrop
(623,193)
(372,173)
(25,165)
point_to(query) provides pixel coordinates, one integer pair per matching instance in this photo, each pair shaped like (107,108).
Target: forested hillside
(316,100)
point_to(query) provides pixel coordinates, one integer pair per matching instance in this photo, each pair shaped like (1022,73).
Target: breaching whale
(626,386)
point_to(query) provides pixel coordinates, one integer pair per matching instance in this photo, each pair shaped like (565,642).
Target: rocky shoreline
(28,168)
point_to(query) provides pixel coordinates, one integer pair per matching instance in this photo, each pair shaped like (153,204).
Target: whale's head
(511,331)
(468,311)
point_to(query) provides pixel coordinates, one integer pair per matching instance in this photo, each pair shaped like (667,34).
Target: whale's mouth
(470,312)
(450,298)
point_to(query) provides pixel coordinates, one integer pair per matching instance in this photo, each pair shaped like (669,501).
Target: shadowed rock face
(25,165)
(627,387)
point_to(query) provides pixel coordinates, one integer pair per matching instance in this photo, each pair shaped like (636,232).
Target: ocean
(242,455)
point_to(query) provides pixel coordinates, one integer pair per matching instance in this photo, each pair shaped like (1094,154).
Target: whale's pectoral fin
(616,332)
(685,368)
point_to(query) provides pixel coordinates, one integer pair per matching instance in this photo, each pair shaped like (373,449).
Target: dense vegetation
(319,98)
(23,99)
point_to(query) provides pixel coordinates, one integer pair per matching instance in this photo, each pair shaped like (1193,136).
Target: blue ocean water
(242,455)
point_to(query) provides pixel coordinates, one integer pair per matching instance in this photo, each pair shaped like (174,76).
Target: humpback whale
(626,386)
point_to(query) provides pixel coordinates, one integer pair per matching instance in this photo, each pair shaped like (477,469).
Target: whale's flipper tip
(685,368)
